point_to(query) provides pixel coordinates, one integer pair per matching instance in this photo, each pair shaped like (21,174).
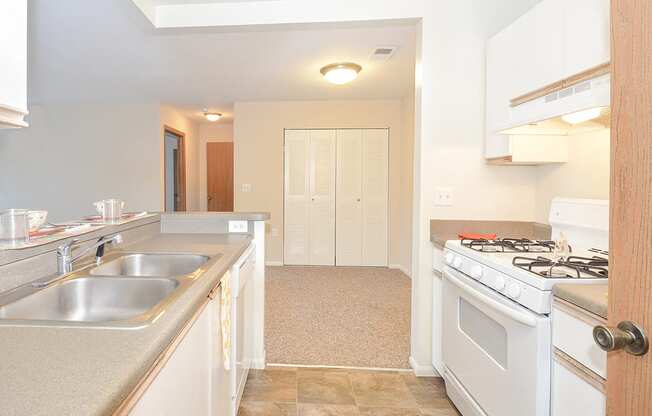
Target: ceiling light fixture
(212,116)
(582,116)
(341,73)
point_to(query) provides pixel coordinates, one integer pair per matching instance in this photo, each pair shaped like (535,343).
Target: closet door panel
(297,197)
(322,191)
(349,194)
(374,196)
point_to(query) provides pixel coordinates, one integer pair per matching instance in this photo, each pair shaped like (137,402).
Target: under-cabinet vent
(383,53)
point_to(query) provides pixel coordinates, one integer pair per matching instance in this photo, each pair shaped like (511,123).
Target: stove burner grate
(510,245)
(571,267)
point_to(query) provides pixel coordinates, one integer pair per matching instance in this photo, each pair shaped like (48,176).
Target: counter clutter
(80,370)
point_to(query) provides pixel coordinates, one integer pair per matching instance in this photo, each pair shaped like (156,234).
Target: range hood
(575,109)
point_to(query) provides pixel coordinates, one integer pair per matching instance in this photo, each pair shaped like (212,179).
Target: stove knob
(513,291)
(499,283)
(457,262)
(449,258)
(476,272)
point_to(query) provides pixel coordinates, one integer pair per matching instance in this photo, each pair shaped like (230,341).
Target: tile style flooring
(290,391)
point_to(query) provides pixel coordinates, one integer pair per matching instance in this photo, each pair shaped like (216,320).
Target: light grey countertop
(592,298)
(242,216)
(83,371)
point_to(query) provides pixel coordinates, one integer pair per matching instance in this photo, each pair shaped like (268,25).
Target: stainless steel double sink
(128,290)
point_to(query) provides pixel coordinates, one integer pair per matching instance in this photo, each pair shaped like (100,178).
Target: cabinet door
(349,198)
(221,390)
(13,56)
(587,30)
(374,196)
(297,197)
(322,193)
(499,91)
(183,385)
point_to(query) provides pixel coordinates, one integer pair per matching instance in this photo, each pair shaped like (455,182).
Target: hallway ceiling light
(212,116)
(341,73)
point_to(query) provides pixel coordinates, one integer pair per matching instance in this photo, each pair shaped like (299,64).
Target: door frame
(180,205)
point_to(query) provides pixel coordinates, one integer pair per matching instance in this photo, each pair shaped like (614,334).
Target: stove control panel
(532,298)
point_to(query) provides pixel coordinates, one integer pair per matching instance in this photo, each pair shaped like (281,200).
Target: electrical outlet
(246,187)
(237,226)
(443,197)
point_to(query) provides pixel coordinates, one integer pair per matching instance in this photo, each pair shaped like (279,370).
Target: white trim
(343,367)
(12,117)
(274,263)
(259,364)
(423,370)
(401,268)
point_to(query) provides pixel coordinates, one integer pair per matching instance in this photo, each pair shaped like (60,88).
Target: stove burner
(510,245)
(572,267)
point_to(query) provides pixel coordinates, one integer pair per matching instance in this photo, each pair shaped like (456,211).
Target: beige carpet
(337,316)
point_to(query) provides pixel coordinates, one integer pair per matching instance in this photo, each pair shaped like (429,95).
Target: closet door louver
(297,197)
(349,198)
(322,190)
(374,196)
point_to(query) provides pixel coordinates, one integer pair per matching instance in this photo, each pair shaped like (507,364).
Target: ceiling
(107,51)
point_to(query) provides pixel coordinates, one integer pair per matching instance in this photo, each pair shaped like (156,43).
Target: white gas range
(497,297)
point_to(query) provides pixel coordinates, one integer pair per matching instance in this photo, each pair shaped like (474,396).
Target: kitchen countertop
(242,216)
(86,371)
(444,230)
(592,298)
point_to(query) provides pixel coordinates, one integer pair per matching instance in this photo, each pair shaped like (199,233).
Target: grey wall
(73,155)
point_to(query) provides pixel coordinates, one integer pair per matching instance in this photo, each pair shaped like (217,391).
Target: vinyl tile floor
(291,391)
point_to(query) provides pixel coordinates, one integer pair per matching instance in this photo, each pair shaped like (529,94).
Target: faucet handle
(66,248)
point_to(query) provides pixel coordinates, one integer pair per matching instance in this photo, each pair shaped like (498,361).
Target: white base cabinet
(183,386)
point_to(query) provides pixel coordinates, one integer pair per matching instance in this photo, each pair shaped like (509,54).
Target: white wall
(258,139)
(73,155)
(171,117)
(586,175)
(208,133)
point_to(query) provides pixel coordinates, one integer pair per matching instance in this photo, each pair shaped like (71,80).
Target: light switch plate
(443,197)
(246,187)
(237,226)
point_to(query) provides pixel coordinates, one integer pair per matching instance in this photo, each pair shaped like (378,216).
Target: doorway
(219,181)
(175,170)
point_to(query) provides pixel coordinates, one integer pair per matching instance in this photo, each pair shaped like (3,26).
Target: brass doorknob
(210,198)
(628,336)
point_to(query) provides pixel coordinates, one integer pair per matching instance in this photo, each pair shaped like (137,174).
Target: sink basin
(151,265)
(91,299)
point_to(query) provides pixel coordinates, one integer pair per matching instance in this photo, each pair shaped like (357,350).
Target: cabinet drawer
(572,332)
(574,396)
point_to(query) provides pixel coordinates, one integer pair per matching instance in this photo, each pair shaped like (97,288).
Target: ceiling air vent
(383,53)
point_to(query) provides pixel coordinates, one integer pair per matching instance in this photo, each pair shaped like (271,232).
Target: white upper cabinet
(555,40)
(13,56)
(587,35)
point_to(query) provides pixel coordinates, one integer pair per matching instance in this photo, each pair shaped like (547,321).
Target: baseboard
(273,263)
(259,364)
(423,370)
(401,268)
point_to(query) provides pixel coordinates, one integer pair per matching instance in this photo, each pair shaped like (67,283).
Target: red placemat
(476,236)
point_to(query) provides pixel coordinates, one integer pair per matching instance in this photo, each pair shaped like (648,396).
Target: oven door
(496,352)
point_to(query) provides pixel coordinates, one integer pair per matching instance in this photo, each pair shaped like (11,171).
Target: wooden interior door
(629,377)
(219,171)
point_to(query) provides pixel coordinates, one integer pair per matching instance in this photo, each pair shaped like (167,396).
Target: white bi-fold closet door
(362,197)
(336,197)
(310,197)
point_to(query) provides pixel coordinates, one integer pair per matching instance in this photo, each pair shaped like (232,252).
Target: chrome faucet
(65,259)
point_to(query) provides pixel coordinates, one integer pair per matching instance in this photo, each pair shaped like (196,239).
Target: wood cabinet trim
(564,83)
(580,370)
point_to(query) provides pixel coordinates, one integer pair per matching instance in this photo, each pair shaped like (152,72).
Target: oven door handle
(495,305)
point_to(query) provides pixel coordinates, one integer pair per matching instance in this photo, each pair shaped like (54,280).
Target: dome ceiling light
(341,73)
(212,116)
